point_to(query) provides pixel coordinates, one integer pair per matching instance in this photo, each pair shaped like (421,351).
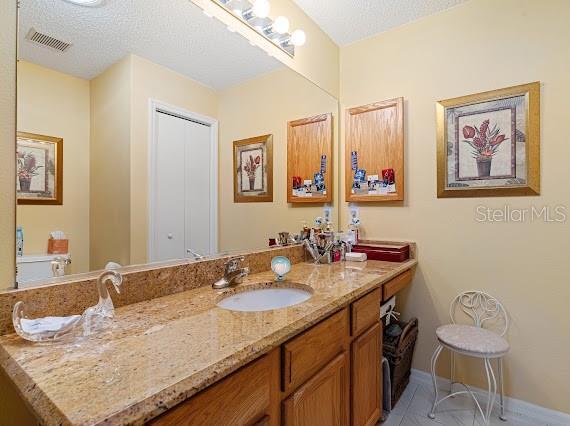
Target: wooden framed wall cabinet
(374,153)
(309,160)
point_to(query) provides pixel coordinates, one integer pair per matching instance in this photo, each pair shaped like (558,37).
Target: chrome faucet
(232,274)
(58,266)
(195,255)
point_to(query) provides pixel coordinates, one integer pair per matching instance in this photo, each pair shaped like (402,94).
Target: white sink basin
(265,299)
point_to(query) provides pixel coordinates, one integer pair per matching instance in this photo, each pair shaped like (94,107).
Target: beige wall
(8,22)
(15,412)
(110,165)
(478,46)
(55,104)
(152,81)
(264,106)
(317,60)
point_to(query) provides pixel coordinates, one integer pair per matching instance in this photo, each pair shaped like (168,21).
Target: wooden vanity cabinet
(328,375)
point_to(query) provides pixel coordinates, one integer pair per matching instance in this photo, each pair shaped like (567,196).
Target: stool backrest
(481,308)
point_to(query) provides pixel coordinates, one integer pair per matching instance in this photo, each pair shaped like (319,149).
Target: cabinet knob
(170,236)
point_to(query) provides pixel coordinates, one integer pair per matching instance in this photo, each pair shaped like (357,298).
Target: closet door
(198,187)
(170,181)
(184,188)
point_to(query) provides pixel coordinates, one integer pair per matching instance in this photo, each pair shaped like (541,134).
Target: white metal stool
(474,341)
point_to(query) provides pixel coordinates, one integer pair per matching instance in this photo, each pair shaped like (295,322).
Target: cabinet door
(366,377)
(323,400)
(247,397)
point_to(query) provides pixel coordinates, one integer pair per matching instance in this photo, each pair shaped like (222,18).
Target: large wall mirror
(149,132)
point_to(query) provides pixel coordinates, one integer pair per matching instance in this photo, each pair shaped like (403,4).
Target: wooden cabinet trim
(396,284)
(305,354)
(365,312)
(309,120)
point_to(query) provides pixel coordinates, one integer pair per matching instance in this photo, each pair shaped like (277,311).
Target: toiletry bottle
(19,241)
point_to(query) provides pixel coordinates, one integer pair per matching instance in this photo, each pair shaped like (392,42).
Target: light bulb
(298,38)
(88,3)
(281,25)
(261,8)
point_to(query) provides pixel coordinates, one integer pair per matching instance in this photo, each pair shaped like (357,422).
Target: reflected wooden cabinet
(323,399)
(309,153)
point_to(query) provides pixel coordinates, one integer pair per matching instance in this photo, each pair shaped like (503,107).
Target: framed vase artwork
(253,169)
(39,170)
(489,143)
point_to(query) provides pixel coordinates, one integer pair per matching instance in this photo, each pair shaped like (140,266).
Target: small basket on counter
(399,351)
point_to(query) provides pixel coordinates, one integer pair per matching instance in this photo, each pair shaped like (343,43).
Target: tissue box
(57,246)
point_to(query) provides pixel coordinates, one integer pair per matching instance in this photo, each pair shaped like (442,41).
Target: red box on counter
(386,252)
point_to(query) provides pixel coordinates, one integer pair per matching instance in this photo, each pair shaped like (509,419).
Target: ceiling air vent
(47,41)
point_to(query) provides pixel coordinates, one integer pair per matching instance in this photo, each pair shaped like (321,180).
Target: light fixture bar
(244,11)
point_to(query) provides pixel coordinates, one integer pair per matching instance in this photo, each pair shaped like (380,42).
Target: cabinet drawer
(396,284)
(365,312)
(304,355)
(243,398)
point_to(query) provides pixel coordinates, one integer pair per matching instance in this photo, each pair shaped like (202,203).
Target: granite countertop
(162,351)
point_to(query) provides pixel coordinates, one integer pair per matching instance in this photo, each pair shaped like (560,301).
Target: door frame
(156,106)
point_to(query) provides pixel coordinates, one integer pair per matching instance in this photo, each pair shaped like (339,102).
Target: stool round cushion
(472,340)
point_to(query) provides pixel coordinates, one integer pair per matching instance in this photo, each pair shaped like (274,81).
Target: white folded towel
(47,324)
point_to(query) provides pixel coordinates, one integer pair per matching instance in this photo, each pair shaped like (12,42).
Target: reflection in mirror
(128,118)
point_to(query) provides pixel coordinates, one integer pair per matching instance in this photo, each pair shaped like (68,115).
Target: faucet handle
(233,263)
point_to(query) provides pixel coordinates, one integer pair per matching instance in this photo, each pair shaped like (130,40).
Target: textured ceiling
(349,21)
(172,33)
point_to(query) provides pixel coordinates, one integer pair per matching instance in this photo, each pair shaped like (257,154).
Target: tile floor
(416,401)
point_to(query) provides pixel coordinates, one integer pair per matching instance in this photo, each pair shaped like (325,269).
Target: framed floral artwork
(39,161)
(253,169)
(489,143)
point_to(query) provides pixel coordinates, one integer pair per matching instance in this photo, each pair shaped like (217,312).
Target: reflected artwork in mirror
(150,111)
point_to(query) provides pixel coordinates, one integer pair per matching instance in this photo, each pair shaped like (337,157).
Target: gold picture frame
(253,169)
(39,172)
(488,144)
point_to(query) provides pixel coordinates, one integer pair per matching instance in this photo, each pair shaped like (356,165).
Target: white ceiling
(347,21)
(172,33)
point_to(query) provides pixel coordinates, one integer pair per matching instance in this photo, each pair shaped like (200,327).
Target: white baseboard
(518,406)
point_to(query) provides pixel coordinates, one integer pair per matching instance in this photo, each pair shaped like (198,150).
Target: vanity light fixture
(238,6)
(86,3)
(261,8)
(281,25)
(298,38)
(255,14)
